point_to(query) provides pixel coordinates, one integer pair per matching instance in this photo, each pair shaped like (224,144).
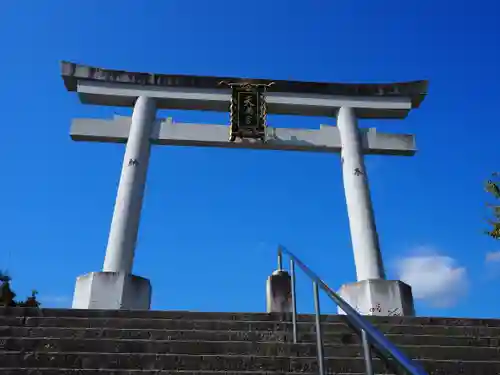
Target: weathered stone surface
(168,362)
(248,326)
(52,371)
(234,348)
(63,342)
(346,337)
(21,312)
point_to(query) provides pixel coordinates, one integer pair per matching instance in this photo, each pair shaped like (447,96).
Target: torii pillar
(372,294)
(116,287)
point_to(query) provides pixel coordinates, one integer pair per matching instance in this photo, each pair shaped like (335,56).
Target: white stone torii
(117,287)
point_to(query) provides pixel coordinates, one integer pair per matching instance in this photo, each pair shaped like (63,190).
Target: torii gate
(116,287)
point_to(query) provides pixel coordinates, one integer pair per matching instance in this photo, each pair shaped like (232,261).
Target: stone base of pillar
(112,291)
(379,297)
(279,292)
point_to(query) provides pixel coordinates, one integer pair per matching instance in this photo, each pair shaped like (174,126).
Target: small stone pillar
(279,292)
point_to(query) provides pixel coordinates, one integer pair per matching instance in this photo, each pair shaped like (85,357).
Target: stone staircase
(57,342)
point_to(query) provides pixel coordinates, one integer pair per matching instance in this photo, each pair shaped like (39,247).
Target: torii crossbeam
(168,132)
(148,92)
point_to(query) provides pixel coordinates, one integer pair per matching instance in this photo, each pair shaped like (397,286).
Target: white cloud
(436,279)
(493,257)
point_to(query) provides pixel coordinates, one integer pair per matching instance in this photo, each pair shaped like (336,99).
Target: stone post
(279,292)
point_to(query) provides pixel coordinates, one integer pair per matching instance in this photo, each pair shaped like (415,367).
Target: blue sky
(57,196)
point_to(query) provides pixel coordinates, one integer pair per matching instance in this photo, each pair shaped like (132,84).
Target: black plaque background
(239,127)
(240,111)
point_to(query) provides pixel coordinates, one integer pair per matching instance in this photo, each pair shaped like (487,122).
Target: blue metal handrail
(368,331)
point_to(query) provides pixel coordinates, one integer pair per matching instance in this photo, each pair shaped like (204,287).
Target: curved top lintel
(414,90)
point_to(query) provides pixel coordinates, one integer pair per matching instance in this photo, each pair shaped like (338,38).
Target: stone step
(221,325)
(225,363)
(52,371)
(252,336)
(253,317)
(234,348)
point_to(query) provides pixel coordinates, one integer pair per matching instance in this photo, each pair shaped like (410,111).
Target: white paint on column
(364,237)
(126,217)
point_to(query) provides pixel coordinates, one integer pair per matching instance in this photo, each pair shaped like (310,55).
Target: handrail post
(294,301)
(367,353)
(376,338)
(319,338)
